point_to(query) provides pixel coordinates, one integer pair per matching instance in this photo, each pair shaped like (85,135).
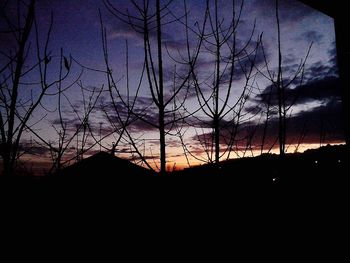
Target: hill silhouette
(325,165)
(324,168)
(106,183)
(104,166)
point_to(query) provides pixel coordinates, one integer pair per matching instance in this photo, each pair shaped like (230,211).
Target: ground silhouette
(325,165)
(322,171)
(104,166)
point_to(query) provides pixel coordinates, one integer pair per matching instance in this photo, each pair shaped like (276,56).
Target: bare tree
(79,130)
(124,112)
(149,21)
(18,98)
(266,113)
(214,89)
(280,83)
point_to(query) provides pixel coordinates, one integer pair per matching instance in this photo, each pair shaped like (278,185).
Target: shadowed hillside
(316,177)
(104,166)
(323,168)
(326,165)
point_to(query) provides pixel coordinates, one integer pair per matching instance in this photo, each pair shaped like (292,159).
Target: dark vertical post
(337,10)
(343,54)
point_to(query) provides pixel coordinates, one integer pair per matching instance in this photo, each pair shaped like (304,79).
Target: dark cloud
(312,36)
(290,10)
(289,59)
(7,45)
(182,72)
(144,125)
(174,143)
(323,124)
(136,158)
(332,52)
(142,119)
(333,61)
(205,67)
(324,121)
(33,148)
(244,64)
(254,109)
(57,121)
(124,33)
(141,104)
(320,69)
(173,44)
(74,124)
(11,13)
(132,26)
(203,122)
(325,89)
(315,71)
(294,9)
(105,130)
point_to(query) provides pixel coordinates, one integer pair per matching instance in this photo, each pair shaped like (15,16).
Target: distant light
(339,161)
(316,162)
(274,179)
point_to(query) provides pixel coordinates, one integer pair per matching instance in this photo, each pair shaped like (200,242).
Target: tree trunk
(162,142)
(161,94)
(7,169)
(217,139)
(10,151)
(280,92)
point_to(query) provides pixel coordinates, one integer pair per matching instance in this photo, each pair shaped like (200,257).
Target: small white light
(274,179)
(339,161)
(316,162)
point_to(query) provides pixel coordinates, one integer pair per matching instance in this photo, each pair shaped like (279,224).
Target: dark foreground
(323,171)
(264,199)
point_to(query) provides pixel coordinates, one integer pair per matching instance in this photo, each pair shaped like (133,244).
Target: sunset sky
(315,118)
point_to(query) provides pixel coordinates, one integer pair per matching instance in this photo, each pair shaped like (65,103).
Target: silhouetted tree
(149,20)
(80,130)
(124,112)
(223,113)
(18,98)
(281,83)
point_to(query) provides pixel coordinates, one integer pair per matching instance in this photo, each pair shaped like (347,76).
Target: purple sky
(78,31)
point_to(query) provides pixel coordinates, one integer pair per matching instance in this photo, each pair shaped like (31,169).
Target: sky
(314,119)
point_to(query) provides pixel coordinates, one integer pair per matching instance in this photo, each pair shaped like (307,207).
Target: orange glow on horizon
(175,162)
(180,163)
